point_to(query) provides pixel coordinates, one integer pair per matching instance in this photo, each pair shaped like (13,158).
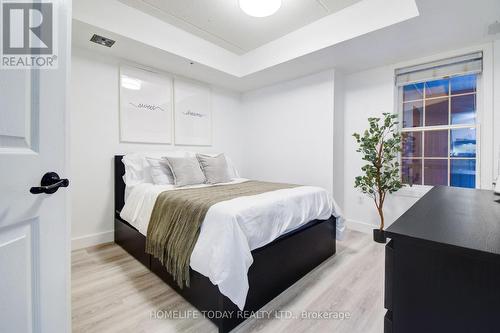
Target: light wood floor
(112,292)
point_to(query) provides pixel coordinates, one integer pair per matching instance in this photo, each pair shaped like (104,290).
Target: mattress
(233,228)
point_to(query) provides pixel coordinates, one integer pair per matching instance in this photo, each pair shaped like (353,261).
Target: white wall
(339,140)
(372,92)
(94,132)
(289,131)
(367,94)
(299,131)
(496,107)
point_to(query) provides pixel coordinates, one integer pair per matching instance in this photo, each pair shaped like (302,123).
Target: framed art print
(145,106)
(193,113)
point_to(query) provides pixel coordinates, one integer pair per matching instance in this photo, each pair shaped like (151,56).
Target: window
(439,145)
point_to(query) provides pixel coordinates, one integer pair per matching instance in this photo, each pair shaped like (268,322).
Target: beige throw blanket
(177,217)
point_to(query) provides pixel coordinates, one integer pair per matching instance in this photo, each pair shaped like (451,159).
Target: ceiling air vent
(102,40)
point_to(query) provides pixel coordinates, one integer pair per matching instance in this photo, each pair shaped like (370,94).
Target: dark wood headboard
(119,184)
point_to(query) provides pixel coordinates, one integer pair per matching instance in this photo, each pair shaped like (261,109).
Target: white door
(34,228)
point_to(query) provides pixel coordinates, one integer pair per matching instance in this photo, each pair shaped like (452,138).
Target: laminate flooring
(112,292)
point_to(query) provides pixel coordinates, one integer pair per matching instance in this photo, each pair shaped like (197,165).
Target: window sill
(415,191)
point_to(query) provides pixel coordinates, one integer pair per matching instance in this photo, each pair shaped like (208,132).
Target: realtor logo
(28,35)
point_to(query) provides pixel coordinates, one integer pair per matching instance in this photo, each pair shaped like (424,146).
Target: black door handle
(50,184)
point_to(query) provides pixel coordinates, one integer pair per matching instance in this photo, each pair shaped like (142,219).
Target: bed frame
(276,266)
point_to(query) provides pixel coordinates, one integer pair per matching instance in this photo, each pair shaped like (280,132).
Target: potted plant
(379,145)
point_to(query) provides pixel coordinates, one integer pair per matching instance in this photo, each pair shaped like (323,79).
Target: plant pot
(379,236)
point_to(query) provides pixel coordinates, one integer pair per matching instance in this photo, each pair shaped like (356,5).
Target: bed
(296,253)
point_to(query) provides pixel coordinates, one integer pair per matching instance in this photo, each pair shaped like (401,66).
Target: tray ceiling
(224,24)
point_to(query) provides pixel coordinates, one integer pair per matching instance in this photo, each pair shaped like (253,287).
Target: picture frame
(192,113)
(146,106)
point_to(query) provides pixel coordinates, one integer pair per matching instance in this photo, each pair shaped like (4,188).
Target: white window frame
(417,189)
(488,153)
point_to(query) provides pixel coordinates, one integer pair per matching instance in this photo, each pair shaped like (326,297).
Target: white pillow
(137,168)
(134,169)
(233,172)
(160,171)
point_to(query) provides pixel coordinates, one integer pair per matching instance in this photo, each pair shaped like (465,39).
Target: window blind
(466,64)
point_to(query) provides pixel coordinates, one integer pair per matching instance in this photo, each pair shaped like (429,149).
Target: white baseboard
(108,236)
(360,226)
(92,239)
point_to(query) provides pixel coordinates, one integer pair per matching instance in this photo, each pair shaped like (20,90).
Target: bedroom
(250,107)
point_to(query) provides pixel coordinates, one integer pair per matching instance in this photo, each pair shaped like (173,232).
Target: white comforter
(233,228)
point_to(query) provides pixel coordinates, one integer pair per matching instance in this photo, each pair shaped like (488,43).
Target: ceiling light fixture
(260,8)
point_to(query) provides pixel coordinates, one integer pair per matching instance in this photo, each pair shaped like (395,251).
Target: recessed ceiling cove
(223,23)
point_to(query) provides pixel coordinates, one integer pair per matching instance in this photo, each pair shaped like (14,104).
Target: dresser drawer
(389,271)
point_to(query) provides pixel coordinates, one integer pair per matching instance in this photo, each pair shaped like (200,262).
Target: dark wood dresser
(442,264)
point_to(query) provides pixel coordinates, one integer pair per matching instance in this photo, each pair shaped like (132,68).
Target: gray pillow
(215,168)
(186,170)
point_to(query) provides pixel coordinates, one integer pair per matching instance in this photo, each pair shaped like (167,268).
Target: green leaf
(380,146)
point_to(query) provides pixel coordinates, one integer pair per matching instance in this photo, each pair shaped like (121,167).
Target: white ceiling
(223,23)
(442,26)
(128,23)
